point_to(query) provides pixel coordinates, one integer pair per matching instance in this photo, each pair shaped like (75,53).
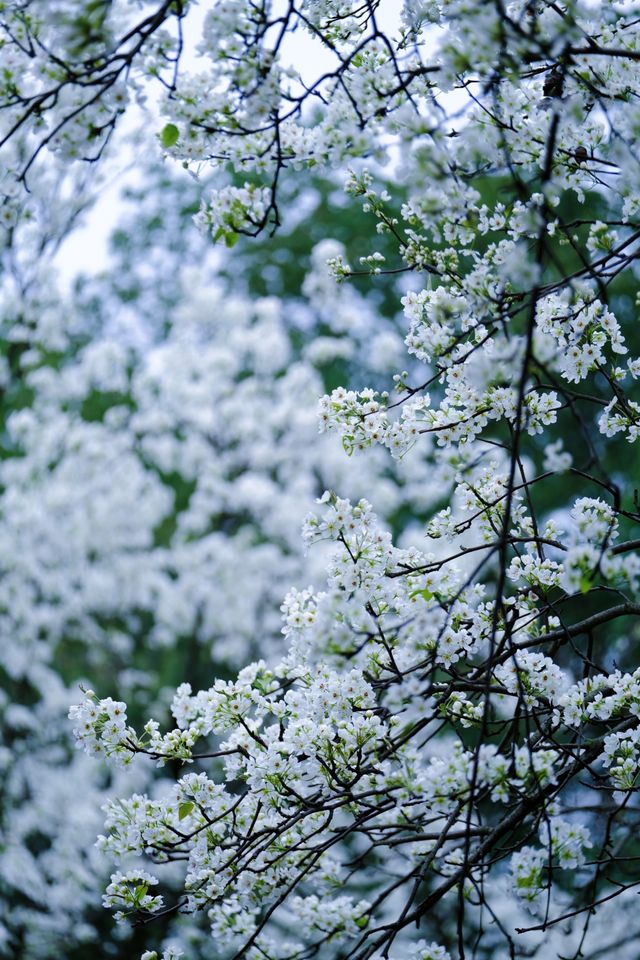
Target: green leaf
(140,892)
(223,233)
(169,136)
(185,809)
(347,445)
(585,583)
(422,593)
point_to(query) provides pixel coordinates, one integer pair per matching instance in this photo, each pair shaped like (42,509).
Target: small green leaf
(347,445)
(585,583)
(426,594)
(185,809)
(223,233)
(170,135)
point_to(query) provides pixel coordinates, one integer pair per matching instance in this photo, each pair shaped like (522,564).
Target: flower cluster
(362,420)
(100,727)
(530,866)
(128,892)
(582,327)
(234,210)
(532,676)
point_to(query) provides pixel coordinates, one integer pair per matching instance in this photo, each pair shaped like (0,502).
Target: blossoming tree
(150,520)
(449,740)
